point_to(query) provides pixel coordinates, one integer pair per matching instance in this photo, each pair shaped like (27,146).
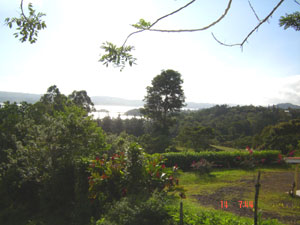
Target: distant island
(106,100)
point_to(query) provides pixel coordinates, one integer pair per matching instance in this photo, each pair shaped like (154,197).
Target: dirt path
(270,182)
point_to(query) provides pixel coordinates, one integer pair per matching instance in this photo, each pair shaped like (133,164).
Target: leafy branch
(27,26)
(119,56)
(142,25)
(290,20)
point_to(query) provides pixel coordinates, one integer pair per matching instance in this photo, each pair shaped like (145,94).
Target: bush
(220,159)
(132,212)
(130,173)
(202,166)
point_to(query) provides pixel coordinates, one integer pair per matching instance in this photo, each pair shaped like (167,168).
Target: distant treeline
(237,127)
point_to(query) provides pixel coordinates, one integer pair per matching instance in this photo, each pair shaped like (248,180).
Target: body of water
(113,111)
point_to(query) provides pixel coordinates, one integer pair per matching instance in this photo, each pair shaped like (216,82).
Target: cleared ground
(236,187)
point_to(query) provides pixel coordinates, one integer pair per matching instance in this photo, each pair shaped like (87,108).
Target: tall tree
(164,98)
(53,98)
(81,99)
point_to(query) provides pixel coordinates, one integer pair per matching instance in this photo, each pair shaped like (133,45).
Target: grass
(269,201)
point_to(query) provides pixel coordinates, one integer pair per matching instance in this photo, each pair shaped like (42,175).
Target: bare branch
(182,30)
(297,2)
(22,11)
(254,29)
(198,29)
(172,13)
(158,21)
(254,11)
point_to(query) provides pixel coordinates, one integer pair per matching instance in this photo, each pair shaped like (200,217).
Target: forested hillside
(237,126)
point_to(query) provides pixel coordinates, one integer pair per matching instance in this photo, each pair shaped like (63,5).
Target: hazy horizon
(266,72)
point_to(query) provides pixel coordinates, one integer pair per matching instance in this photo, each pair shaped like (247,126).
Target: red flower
(157,175)
(238,157)
(250,151)
(104,176)
(124,192)
(263,160)
(248,148)
(279,157)
(292,153)
(97,158)
(163,166)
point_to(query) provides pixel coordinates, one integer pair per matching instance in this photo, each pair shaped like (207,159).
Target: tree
(54,99)
(81,99)
(196,137)
(283,136)
(164,98)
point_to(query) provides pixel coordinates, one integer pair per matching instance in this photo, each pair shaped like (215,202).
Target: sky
(265,72)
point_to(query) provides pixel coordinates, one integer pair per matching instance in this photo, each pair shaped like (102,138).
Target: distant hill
(287,106)
(106,100)
(18,97)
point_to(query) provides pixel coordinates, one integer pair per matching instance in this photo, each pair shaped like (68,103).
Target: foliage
(154,143)
(220,159)
(129,173)
(142,24)
(81,99)
(117,125)
(27,26)
(119,56)
(238,126)
(283,136)
(202,166)
(53,99)
(290,20)
(214,217)
(195,136)
(41,166)
(135,212)
(164,98)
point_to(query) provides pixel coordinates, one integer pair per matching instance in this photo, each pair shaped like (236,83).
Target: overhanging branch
(251,32)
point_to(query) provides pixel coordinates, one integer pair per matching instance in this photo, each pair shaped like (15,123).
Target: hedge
(221,159)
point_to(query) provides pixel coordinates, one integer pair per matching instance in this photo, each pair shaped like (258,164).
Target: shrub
(130,173)
(221,159)
(202,166)
(133,212)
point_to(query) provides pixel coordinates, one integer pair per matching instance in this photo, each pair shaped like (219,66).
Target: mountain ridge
(107,100)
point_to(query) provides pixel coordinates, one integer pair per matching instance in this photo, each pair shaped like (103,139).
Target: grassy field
(236,187)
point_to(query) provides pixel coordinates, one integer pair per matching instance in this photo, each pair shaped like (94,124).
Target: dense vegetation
(237,127)
(60,166)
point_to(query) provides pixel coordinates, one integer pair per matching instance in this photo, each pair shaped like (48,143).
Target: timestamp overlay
(241,203)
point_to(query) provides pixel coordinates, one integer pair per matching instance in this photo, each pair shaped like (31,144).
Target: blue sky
(266,72)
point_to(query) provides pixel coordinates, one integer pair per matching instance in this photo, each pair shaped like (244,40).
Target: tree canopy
(164,97)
